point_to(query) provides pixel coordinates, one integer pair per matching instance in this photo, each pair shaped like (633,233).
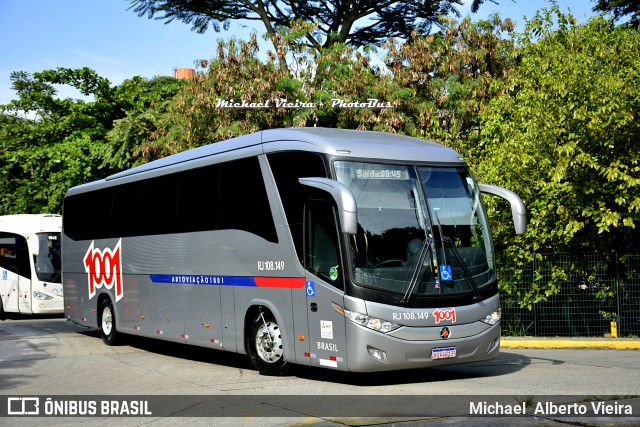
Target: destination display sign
(400,174)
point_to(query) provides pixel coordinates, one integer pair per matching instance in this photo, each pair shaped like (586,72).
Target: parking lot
(51,357)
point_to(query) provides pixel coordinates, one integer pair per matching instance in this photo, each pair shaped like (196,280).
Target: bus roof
(24,224)
(342,142)
(359,144)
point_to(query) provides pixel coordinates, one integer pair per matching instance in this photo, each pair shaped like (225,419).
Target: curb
(570,343)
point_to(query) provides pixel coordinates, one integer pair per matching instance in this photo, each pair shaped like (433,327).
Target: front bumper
(413,354)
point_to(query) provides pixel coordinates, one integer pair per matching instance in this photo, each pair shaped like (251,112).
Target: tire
(108,329)
(1,310)
(265,347)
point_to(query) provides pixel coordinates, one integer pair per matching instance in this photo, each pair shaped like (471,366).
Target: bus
(30,264)
(352,250)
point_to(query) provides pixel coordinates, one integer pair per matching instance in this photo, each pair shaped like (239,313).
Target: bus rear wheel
(108,329)
(265,346)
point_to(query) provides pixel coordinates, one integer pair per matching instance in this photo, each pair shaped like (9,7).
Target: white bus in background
(30,264)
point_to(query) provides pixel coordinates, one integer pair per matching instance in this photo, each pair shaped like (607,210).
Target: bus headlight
(376,324)
(494,317)
(42,296)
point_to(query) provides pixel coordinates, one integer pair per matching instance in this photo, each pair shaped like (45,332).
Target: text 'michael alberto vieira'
(550,408)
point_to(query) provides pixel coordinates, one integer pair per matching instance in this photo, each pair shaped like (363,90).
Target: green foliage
(517,328)
(451,76)
(550,113)
(435,86)
(337,23)
(621,9)
(48,145)
(42,175)
(145,103)
(565,138)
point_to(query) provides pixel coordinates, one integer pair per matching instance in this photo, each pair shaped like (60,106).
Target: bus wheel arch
(265,341)
(107,320)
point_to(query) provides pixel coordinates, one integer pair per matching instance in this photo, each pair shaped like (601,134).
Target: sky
(37,35)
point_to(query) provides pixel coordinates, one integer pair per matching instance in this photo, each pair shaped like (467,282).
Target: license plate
(443,353)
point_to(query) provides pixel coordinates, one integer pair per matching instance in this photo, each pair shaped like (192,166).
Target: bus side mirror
(346,201)
(518,210)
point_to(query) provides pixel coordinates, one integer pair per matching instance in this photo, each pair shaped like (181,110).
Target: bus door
(8,289)
(324,286)
(24,276)
(15,273)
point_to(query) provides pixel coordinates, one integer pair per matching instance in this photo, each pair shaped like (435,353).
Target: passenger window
(243,202)
(224,196)
(322,256)
(287,167)
(88,215)
(159,205)
(197,199)
(8,252)
(14,254)
(126,210)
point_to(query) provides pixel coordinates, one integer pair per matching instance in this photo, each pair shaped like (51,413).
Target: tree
(432,87)
(453,74)
(620,9)
(565,137)
(144,103)
(475,4)
(48,145)
(356,23)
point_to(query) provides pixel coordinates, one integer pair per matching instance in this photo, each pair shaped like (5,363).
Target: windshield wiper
(465,272)
(417,272)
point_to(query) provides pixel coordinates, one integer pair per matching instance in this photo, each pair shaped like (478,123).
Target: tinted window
(127,210)
(227,196)
(287,167)
(88,216)
(14,254)
(198,199)
(243,202)
(48,261)
(8,252)
(158,205)
(322,255)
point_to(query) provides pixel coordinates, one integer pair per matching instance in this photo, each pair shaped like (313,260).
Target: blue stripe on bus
(182,279)
(262,282)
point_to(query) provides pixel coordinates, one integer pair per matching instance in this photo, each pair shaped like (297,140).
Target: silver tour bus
(352,250)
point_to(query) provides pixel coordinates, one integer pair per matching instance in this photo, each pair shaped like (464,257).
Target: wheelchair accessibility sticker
(445,273)
(311,289)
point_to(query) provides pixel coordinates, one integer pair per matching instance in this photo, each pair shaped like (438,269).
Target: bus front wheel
(108,323)
(265,346)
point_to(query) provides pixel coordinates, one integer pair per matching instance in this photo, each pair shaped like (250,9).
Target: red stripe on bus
(279,282)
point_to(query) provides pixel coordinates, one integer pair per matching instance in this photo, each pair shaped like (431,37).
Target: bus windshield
(421,230)
(48,262)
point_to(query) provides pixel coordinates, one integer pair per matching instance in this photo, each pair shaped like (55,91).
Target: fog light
(378,354)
